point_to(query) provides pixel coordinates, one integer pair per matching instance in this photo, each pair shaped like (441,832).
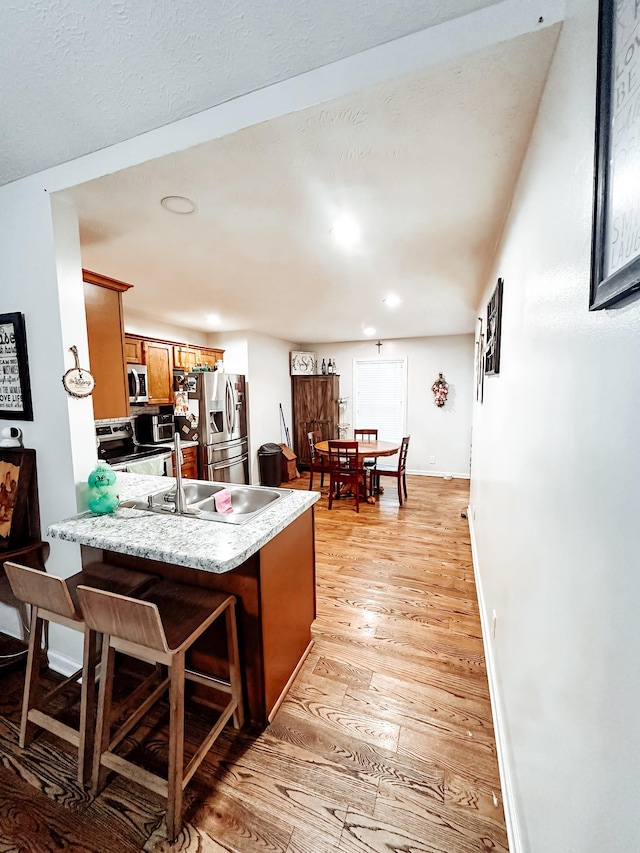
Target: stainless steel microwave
(138,385)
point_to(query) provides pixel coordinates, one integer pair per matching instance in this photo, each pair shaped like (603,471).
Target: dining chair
(345,469)
(400,473)
(319,464)
(366,435)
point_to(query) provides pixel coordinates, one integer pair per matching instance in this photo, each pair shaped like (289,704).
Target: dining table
(367,449)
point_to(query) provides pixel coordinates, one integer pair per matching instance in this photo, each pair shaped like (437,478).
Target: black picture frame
(494,331)
(15,385)
(615,255)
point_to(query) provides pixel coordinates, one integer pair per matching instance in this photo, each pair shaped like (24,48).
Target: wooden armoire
(315,407)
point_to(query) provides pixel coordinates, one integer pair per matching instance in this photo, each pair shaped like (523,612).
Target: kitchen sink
(247,501)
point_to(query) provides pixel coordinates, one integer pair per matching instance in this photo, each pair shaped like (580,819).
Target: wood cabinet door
(159,360)
(103,308)
(133,350)
(189,467)
(210,356)
(185,357)
(315,407)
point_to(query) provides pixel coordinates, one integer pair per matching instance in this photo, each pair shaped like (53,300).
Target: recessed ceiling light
(178,204)
(369,330)
(213,319)
(346,231)
(392,300)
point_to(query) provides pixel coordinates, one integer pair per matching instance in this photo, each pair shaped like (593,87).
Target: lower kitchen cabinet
(189,467)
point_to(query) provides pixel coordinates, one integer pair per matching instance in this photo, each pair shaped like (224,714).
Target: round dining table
(367,450)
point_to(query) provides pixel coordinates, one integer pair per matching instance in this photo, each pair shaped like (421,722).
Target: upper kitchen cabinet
(159,360)
(185,357)
(133,350)
(210,356)
(105,332)
(315,407)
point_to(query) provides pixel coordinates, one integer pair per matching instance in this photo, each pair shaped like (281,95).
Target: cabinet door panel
(133,350)
(159,360)
(103,308)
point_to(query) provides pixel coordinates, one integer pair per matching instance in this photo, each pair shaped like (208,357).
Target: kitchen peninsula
(268,563)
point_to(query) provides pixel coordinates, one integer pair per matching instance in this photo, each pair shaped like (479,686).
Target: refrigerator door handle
(220,466)
(230,408)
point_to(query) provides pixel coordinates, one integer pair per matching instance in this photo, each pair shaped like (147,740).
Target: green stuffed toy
(103,496)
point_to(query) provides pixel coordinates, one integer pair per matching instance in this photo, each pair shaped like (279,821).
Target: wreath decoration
(440,390)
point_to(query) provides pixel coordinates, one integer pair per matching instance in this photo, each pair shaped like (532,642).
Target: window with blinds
(380,396)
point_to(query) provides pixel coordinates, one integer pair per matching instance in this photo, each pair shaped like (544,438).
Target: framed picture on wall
(615,256)
(494,328)
(15,387)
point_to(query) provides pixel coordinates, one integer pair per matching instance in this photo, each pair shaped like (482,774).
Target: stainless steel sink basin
(246,501)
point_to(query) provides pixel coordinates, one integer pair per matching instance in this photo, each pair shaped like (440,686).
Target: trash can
(270,463)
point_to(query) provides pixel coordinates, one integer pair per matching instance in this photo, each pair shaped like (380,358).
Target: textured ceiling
(427,165)
(77,76)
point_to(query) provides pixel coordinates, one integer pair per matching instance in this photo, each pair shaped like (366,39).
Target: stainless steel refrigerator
(219,404)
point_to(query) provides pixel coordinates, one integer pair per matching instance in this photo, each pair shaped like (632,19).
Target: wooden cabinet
(315,407)
(189,467)
(210,356)
(105,332)
(185,357)
(159,360)
(133,350)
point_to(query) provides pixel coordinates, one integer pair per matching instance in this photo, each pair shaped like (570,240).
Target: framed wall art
(494,328)
(303,363)
(15,387)
(615,257)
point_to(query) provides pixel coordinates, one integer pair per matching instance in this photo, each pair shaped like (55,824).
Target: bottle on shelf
(329,367)
(324,367)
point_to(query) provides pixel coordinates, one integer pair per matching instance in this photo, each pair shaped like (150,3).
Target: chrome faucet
(180,500)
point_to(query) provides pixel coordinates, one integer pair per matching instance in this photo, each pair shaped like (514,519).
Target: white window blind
(380,391)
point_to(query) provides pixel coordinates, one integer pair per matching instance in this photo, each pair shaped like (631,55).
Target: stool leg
(87,705)
(176,747)
(234,665)
(31,679)
(103,726)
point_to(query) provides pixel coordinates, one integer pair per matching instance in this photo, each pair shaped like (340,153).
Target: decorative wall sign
(78,382)
(15,387)
(303,363)
(494,322)
(615,254)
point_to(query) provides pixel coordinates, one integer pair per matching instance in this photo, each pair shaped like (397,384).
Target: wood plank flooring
(384,743)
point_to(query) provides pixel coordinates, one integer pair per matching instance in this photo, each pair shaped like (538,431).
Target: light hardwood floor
(384,743)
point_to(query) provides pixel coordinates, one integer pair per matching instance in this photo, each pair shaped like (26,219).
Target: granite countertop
(196,543)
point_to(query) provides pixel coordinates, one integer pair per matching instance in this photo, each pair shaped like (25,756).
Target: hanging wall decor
(440,390)
(615,253)
(77,381)
(480,364)
(15,387)
(494,323)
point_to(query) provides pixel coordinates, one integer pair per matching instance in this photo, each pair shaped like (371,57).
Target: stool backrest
(40,589)
(123,617)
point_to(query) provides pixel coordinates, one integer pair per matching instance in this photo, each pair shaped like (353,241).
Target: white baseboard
(440,474)
(62,664)
(506,777)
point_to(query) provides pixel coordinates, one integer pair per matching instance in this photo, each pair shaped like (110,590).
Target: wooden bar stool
(54,599)
(159,628)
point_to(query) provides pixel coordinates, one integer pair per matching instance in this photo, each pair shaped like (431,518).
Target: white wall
(556,490)
(264,361)
(441,432)
(139,324)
